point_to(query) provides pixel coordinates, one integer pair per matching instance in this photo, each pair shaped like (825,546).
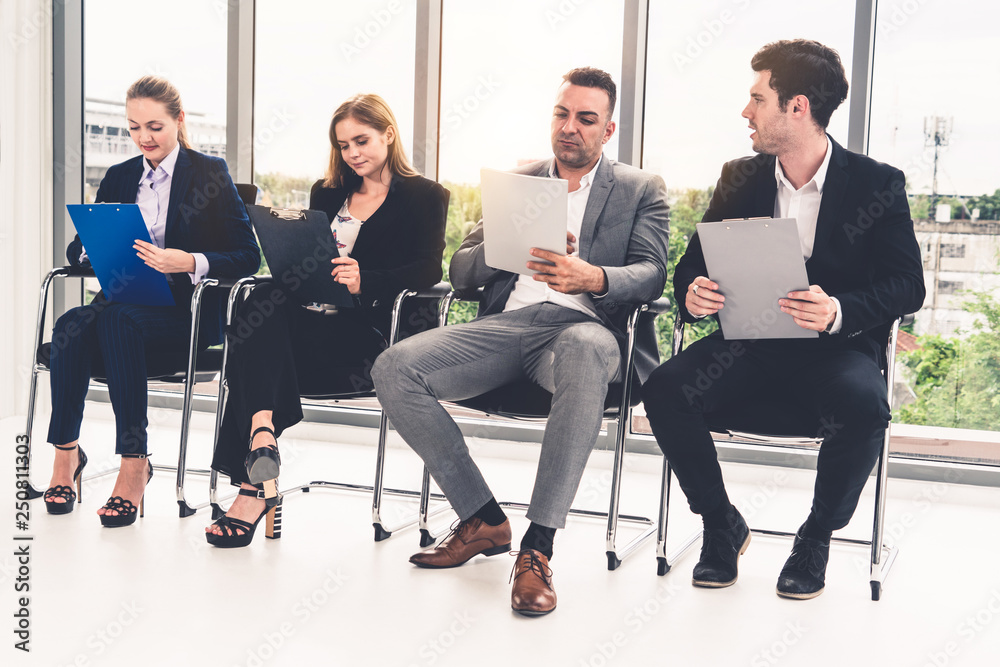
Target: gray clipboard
(755,262)
(519,213)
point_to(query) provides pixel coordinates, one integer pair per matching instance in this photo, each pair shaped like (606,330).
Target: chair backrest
(248,193)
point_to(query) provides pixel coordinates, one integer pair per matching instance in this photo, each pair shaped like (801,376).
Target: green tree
(957,380)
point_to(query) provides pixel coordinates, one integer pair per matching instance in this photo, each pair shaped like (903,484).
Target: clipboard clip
(288,214)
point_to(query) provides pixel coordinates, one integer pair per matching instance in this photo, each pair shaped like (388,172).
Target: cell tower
(937,133)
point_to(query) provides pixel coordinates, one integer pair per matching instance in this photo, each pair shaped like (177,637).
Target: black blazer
(399,246)
(865,252)
(205,214)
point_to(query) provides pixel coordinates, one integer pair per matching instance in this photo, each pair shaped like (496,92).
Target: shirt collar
(819,178)
(167,164)
(586,179)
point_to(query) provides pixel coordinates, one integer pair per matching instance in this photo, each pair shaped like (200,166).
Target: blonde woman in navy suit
(198,227)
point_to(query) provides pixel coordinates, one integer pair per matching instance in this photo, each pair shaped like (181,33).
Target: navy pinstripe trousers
(119,335)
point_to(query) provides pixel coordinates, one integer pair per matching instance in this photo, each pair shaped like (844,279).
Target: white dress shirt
(528,291)
(803,205)
(153,198)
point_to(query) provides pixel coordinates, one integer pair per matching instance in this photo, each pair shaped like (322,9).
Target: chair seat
(525,399)
(170,366)
(763,418)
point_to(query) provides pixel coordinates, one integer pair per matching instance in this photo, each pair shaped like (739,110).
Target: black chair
(198,365)
(746,428)
(526,400)
(400,310)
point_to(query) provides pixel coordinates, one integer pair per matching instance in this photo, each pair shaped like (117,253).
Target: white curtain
(25,187)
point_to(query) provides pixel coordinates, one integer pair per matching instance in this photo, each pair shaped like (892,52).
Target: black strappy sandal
(263,465)
(230,538)
(126,508)
(66,492)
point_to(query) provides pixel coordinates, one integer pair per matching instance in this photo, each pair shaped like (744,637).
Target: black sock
(722,516)
(539,538)
(811,530)
(490,513)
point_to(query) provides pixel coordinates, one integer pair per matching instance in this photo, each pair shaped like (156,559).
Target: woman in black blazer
(390,223)
(199,227)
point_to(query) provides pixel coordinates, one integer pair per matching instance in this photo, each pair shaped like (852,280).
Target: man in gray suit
(563,327)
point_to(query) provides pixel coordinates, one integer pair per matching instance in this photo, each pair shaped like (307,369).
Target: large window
(501,66)
(699,76)
(946,143)
(309,58)
(124,41)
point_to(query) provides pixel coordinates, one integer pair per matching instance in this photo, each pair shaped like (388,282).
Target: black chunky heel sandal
(66,492)
(263,465)
(231,539)
(126,508)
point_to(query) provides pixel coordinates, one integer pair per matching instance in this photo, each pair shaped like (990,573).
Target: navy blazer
(399,246)
(205,214)
(865,252)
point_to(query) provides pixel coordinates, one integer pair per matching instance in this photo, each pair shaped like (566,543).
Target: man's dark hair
(591,77)
(804,67)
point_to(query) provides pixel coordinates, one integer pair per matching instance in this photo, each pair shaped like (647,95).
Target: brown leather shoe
(466,540)
(532,594)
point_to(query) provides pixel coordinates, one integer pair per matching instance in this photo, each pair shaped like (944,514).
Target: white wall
(25,186)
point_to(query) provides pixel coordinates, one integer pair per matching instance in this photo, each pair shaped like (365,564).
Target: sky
(502,63)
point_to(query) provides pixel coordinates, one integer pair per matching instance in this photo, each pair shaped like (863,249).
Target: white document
(755,263)
(519,213)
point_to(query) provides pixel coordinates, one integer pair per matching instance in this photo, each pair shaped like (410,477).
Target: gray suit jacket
(625,231)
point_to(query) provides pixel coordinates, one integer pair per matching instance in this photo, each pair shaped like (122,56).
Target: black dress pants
(280,351)
(772,387)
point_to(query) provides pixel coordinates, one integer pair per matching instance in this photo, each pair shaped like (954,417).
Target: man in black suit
(864,270)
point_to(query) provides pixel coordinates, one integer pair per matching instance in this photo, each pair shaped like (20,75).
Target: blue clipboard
(108,232)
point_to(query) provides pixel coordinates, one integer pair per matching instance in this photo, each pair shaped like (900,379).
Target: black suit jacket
(205,214)
(865,252)
(399,246)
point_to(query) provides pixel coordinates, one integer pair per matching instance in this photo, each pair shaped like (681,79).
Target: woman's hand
(165,260)
(347,272)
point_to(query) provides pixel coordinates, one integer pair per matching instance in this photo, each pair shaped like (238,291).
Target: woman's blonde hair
(160,90)
(370,110)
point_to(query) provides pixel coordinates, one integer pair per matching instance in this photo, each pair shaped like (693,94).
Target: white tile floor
(157,594)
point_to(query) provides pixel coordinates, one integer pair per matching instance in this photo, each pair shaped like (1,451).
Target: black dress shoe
(721,548)
(804,574)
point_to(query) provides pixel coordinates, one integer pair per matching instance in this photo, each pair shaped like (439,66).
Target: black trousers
(776,388)
(115,341)
(280,351)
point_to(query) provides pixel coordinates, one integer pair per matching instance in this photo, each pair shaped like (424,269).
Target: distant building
(958,256)
(107,141)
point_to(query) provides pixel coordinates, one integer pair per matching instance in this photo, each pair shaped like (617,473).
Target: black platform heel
(67,492)
(126,508)
(231,539)
(263,465)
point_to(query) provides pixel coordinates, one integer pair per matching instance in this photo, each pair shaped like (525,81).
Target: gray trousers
(569,354)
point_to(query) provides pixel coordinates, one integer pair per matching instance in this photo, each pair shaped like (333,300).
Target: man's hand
(812,309)
(570,274)
(165,260)
(703,297)
(347,272)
